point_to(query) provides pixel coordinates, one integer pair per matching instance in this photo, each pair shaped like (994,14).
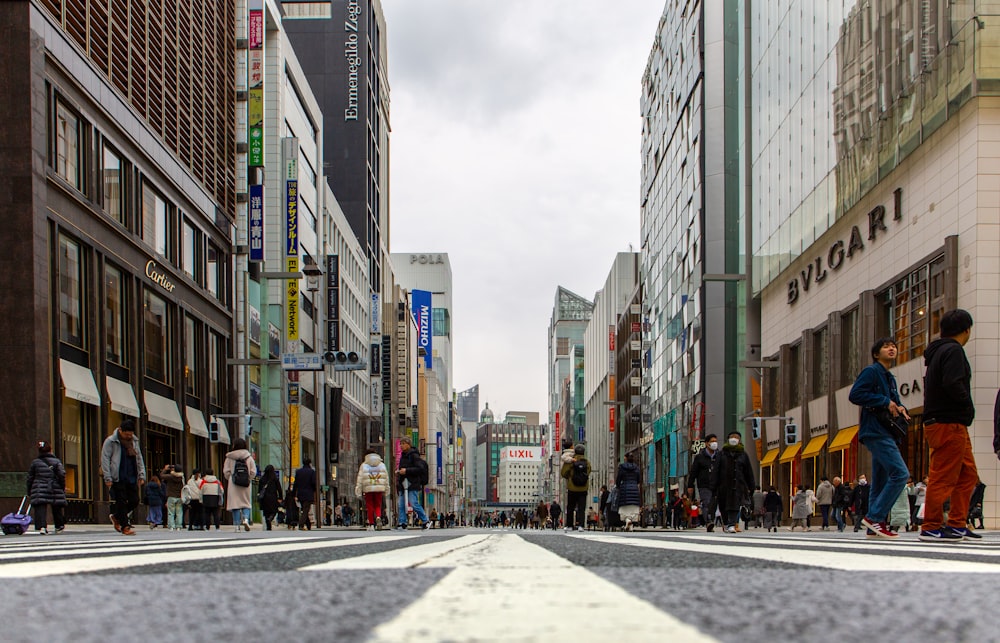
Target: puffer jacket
(47,481)
(191,491)
(373,477)
(627,482)
(211,492)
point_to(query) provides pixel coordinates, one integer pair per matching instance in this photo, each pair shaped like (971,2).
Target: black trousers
(125,496)
(41,516)
(576,505)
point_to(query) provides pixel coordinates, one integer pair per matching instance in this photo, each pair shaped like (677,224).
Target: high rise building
(468,404)
(118,152)
(491,440)
(692,224)
(517,475)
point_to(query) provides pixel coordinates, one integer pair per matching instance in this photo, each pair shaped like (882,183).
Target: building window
(113,181)
(911,308)
(850,346)
(157,338)
(215,271)
(440,322)
(71,318)
(190,242)
(156,221)
(190,357)
(69,145)
(114,316)
(215,361)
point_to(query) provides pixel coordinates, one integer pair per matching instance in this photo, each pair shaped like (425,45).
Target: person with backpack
(47,488)
(577,476)
(212,495)
(269,495)
(305,492)
(371,484)
(412,471)
(627,482)
(239,470)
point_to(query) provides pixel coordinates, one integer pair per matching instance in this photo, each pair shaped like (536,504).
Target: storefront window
(157,338)
(190,357)
(114,182)
(68,146)
(71,326)
(74,448)
(215,271)
(155,221)
(114,316)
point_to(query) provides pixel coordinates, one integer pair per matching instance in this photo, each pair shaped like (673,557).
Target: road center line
(402,558)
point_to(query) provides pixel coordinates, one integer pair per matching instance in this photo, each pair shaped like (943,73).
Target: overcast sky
(515,149)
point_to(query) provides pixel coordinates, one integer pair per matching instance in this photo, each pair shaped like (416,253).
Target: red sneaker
(880,530)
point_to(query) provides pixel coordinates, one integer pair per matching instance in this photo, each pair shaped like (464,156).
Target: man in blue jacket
(875,389)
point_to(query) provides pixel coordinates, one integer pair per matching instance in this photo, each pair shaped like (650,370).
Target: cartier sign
(843,249)
(159,277)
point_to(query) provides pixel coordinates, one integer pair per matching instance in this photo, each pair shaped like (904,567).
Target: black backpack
(241,473)
(424,473)
(579,475)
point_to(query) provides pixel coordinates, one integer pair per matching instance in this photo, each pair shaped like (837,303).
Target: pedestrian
(172,479)
(772,509)
(124,472)
(269,495)
(348,513)
(841,501)
(47,488)
(411,476)
(702,470)
(238,470)
(555,510)
(758,506)
(191,497)
(372,483)
(676,506)
(292,509)
(948,414)
(824,498)
(976,506)
(541,514)
(875,392)
(577,476)
(627,481)
(859,502)
(212,496)
(732,480)
(603,505)
(801,508)
(155,499)
(919,497)
(305,492)
(899,515)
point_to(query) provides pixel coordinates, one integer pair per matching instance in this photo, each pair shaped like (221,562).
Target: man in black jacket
(700,476)
(411,476)
(304,488)
(948,412)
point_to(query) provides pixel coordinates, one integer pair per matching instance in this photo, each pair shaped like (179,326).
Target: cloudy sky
(515,149)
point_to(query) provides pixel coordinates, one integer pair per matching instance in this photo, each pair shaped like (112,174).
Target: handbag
(897,425)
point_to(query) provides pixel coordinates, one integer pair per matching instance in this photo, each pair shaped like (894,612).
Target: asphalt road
(91,584)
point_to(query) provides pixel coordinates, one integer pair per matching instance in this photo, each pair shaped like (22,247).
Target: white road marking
(504,587)
(121,545)
(402,558)
(991,549)
(870,562)
(100,562)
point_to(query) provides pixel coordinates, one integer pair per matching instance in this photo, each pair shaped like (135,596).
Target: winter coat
(373,477)
(210,488)
(860,499)
(702,469)
(270,494)
(772,502)
(824,493)
(568,455)
(948,384)
(842,495)
(899,514)
(156,495)
(173,483)
(191,491)
(874,389)
(111,458)
(919,493)
(416,470)
(305,484)
(238,497)
(801,507)
(627,481)
(542,512)
(758,501)
(567,473)
(47,481)
(732,477)
(555,510)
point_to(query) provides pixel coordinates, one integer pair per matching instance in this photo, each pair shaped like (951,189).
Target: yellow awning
(843,439)
(814,447)
(770,457)
(790,453)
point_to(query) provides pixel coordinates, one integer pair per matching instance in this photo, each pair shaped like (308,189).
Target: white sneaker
(730,529)
(246,525)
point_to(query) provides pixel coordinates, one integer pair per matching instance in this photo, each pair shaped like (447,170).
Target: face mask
(734,441)
(862,482)
(713,445)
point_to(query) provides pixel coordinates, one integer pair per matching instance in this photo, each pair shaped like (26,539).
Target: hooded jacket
(192,490)
(567,473)
(211,492)
(948,384)
(824,493)
(373,477)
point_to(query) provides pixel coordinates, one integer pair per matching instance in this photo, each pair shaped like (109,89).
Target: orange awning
(790,453)
(843,439)
(814,447)
(770,457)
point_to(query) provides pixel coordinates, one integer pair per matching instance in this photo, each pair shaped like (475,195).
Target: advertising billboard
(421,303)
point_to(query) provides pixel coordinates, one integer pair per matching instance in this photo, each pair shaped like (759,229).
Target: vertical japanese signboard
(421,303)
(333,302)
(290,159)
(255,85)
(256,226)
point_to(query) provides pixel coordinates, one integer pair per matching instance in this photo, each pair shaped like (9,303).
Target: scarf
(128,445)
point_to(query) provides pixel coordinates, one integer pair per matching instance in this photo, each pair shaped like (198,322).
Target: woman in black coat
(269,495)
(47,486)
(772,509)
(629,492)
(732,480)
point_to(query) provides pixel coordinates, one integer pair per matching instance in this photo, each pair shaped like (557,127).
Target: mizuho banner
(421,302)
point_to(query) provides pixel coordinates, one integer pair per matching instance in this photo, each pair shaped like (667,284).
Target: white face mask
(734,441)
(713,445)
(862,481)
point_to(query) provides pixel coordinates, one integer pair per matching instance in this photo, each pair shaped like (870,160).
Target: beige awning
(196,422)
(163,411)
(78,383)
(223,432)
(122,397)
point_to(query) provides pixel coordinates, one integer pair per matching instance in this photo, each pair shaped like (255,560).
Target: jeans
(707,506)
(175,513)
(824,510)
(239,515)
(952,474)
(414,502)
(889,476)
(838,515)
(155,515)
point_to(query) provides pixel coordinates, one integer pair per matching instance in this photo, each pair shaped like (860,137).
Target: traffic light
(345,361)
(213,431)
(249,425)
(755,428)
(791,433)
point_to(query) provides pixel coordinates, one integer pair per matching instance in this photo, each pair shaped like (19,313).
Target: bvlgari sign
(158,277)
(840,250)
